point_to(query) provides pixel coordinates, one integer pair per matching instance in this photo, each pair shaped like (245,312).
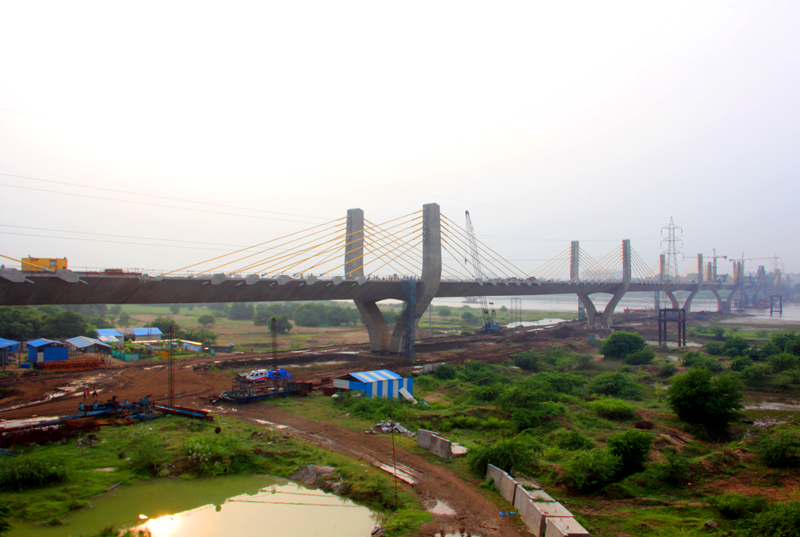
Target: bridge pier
(687,304)
(378,330)
(607,317)
(428,284)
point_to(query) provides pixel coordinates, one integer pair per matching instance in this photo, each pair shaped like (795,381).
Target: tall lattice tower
(670,271)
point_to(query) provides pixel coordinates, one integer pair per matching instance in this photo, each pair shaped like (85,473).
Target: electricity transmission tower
(669,270)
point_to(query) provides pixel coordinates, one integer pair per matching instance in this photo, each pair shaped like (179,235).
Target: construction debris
(389,427)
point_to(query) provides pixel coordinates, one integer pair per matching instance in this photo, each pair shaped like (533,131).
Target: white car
(259,375)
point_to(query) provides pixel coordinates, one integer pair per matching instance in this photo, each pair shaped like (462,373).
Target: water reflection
(244,506)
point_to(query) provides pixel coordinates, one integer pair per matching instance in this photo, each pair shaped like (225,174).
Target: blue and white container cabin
(46,350)
(381,383)
(7,346)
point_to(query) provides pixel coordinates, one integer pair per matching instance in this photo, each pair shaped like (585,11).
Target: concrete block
(523,499)
(539,512)
(564,527)
(495,473)
(441,447)
(507,488)
(424,437)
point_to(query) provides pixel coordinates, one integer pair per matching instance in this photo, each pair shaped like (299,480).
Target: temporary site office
(382,383)
(110,335)
(46,350)
(6,348)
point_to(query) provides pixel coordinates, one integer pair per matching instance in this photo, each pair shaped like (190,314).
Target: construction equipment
(489,323)
(262,383)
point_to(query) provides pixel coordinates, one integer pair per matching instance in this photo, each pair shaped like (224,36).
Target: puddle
(442,508)
(673,358)
(245,506)
(541,322)
(769,405)
(270,424)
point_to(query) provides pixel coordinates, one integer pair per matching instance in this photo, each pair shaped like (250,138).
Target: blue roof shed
(145,334)
(381,383)
(46,350)
(8,345)
(108,332)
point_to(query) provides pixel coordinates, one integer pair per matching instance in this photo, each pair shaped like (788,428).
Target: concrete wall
(564,527)
(494,473)
(524,498)
(424,438)
(441,447)
(502,482)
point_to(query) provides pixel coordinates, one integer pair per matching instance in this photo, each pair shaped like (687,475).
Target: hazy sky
(548,121)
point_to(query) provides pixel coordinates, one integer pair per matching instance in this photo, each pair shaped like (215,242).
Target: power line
(156,204)
(120,236)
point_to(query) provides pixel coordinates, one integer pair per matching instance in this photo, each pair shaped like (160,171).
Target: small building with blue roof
(381,383)
(147,334)
(46,350)
(110,335)
(7,346)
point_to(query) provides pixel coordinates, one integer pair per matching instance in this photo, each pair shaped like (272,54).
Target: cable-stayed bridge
(415,258)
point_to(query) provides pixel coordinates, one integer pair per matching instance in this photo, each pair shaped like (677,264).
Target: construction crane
(489,323)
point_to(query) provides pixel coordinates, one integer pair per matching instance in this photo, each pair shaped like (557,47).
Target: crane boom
(488,317)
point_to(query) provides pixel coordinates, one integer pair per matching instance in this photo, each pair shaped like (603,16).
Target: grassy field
(246,335)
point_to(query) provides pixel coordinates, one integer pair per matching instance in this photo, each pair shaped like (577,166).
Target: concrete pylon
(574,262)
(431,276)
(378,330)
(687,304)
(608,313)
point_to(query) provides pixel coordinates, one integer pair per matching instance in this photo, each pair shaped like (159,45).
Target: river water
(240,505)
(634,301)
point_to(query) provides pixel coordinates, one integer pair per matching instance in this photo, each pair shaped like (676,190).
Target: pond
(241,505)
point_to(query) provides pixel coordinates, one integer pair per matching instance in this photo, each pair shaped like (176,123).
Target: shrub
(674,470)
(572,440)
(527,361)
(714,348)
(733,506)
(620,344)
(741,363)
(616,384)
(698,399)
(780,450)
(783,361)
(536,414)
(667,369)
(781,520)
(613,409)
(445,372)
(735,346)
(697,359)
(507,454)
(214,455)
(633,448)
(756,375)
(644,356)
(589,471)
(31,471)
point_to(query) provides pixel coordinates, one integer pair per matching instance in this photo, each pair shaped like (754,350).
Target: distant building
(110,335)
(40,264)
(147,334)
(382,383)
(6,348)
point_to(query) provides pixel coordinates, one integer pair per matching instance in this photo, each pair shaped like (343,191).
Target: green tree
(124,318)
(444,311)
(67,324)
(309,314)
(5,514)
(206,320)
(698,399)
(175,309)
(163,324)
(241,311)
(282,324)
(469,317)
(735,346)
(262,317)
(619,345)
